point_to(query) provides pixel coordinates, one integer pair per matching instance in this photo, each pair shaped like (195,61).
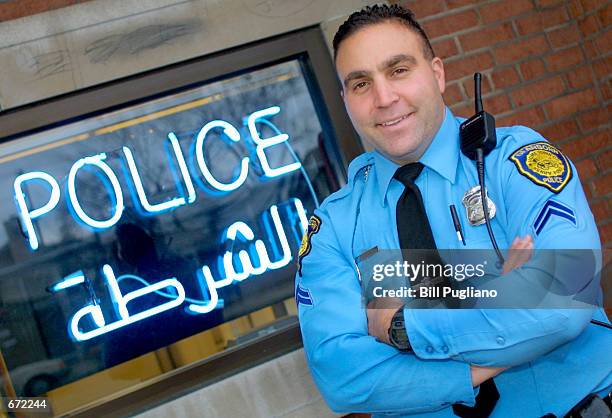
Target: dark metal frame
(57,111)
(83,104)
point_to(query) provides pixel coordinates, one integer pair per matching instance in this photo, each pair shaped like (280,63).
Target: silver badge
(473,206)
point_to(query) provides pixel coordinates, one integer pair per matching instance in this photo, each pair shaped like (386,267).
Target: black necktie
(413,227)
(415,233)
(412,223)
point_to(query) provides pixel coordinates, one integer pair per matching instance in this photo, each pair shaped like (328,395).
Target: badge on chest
(473,206)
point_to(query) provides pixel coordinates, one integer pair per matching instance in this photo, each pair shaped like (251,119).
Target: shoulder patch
(302,296)
(544,165)
(553,208)
(314,224)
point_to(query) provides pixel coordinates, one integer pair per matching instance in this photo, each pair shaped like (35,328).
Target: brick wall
(546,64)
(14,9)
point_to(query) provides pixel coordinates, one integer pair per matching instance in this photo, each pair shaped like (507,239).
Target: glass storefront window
(152,236)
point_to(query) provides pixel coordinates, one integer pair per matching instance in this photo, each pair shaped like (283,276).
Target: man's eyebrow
(389,63)
(355,75)
(397,59)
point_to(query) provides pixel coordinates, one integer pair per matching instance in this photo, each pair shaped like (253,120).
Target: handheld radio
(477,138)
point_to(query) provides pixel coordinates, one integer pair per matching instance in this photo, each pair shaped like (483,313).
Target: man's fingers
(519,253)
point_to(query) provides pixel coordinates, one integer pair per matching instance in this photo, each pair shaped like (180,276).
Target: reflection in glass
(156,235)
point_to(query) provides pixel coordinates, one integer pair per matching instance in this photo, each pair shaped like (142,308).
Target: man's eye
(360,86)
(399,71)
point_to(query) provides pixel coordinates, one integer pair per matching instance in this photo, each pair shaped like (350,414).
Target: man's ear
(438,69)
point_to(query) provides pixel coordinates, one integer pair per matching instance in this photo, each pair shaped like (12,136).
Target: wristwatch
(397,332)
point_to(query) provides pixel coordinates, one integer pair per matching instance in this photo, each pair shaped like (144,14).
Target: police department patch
(543,164)
(314,223)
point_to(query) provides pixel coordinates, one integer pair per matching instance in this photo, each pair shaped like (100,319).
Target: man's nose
(385,94)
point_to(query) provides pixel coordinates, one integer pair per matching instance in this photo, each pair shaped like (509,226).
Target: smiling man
(441,362)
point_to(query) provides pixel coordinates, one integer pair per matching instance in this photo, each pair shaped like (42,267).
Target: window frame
(320,75)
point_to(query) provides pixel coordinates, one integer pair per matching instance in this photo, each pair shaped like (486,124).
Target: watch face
(397,332)
(399,339)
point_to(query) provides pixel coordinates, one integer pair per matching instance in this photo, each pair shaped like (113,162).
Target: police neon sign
(262,254)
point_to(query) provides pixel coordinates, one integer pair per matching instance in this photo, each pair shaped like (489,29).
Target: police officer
(541,361)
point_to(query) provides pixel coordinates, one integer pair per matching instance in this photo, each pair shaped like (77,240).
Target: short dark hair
(380,13)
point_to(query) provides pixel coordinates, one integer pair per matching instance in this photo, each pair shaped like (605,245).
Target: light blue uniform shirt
(558,357)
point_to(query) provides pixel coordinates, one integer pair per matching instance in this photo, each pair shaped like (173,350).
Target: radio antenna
(477,97)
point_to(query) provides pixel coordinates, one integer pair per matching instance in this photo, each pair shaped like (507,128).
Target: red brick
(586,168)
(589,5)
(605,233)
(575,8)
(17,9)
(530,117)
(580,77)
(560,131)
(588,25)
(601,210)
(606,90)
(451,4)
(468,86)
(604,161)
(451,23)
(453,94)
(591,50)
(535,92)
(571,103)
(586,145)
(603,42)
(564,36)
(445,48)
(587,191)
(602,185)
(532,69)
(605,15)
(602,67)
(505,77)
(543,19)
(424,8)
(594,119)
(564,59)
(522,49)
(467,66)
(465,110)
(481,38)
(504,9)
(548,3)
(497,104)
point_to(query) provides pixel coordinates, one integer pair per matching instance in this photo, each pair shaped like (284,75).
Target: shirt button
(500,340)
(445,349)
(429,349)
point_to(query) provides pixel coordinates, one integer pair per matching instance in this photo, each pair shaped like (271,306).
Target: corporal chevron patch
(302,295)
(553,208)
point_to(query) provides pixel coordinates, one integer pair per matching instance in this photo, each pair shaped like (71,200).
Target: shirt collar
(441,156)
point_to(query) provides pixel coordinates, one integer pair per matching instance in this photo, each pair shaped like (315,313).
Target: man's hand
(481,374)
(380,314)
(518,254)
(380,311)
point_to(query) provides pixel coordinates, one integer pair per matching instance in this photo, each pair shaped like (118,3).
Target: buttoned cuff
(426,329)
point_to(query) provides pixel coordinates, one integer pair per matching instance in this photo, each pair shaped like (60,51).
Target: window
(149,234)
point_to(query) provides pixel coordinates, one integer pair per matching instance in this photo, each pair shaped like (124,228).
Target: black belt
(591,406)
(485,402)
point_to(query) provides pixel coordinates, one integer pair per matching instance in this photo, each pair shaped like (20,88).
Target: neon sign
(27,214)
(257,256)
(252,263)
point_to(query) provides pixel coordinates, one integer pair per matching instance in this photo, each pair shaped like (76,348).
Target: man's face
(392,93)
